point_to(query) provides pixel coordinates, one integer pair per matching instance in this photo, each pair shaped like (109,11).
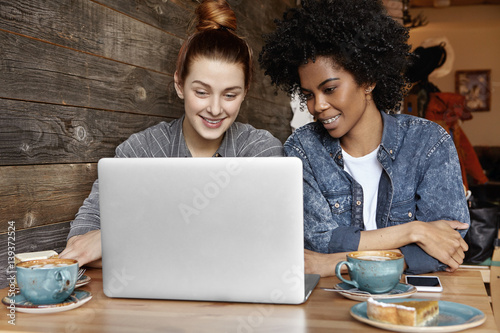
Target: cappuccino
(47,281)
(47,266)
(376,272)
(373,258)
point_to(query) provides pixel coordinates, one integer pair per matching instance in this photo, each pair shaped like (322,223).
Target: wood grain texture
(46,194)
(36,71)
(87,26)
(37,133)
(268,115)
(172,16)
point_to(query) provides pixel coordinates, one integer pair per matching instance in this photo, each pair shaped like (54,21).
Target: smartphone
(425,283)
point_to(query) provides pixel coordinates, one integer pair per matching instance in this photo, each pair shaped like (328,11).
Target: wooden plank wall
(77,77)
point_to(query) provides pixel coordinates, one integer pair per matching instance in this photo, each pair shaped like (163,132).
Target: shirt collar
(390,135)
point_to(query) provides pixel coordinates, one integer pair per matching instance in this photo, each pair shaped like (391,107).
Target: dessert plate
(453,317)
(400,291)
(76,299)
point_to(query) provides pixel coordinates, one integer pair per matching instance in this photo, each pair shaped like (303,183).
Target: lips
(212,123)
(330,120)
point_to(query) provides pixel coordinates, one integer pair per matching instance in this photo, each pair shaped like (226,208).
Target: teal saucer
(76,299)
(401,290)
(453,317)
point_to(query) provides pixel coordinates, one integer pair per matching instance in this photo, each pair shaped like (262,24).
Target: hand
(84,248)
(441,240)
(322,263)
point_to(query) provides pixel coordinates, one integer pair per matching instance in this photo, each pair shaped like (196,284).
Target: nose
(215,107)
(320,105)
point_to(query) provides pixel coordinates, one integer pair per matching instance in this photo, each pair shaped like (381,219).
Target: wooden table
(324,312)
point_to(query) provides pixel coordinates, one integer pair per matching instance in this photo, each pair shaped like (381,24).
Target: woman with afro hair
(373,179)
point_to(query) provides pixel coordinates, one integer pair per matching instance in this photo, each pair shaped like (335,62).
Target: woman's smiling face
(213,92)
(333,96)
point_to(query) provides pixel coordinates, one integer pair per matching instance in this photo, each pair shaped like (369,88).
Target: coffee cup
(376,272)
(47,281)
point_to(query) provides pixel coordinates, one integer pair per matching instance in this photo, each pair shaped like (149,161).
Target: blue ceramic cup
(376,272)
(47,281)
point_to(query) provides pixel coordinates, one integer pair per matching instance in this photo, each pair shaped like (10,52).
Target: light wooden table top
(325,311)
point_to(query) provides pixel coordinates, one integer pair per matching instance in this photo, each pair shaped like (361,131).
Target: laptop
(203,229)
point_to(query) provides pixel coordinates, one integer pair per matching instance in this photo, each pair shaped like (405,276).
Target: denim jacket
(421,180)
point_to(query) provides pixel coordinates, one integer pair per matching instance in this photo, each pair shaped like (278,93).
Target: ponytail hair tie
(224,28)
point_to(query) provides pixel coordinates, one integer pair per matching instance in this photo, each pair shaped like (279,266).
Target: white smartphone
(425,283)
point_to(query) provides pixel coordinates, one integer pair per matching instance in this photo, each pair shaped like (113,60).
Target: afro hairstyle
(357,35)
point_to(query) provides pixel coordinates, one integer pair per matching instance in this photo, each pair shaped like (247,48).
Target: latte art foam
(373,258)
(48,266)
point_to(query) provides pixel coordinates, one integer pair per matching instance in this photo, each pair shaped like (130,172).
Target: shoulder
(408,125)
(250,141)
(417,132)
(417,123)
(141,143)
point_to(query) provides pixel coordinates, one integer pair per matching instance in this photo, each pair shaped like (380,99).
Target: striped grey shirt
(166,140)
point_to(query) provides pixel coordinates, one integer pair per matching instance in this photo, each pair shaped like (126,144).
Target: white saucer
(76,299)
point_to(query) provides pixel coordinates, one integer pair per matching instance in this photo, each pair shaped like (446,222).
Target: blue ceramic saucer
(453,317)
(400,291)
(76,299)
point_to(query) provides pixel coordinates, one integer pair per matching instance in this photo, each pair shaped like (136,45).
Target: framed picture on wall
(475,86)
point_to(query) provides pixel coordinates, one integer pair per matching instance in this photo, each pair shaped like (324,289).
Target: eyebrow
(323,83)
(208,86)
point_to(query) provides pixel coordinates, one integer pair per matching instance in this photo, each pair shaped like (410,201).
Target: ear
(178,86)
(369,87)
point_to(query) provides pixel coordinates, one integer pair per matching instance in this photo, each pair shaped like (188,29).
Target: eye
(201,93)
(330,90)
(230,96)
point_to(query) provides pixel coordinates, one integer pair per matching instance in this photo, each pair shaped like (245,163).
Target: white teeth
(331,120)
(213,121)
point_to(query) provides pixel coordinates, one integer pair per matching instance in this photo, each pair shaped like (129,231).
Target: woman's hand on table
(86,249)
(441,240)
(322,263)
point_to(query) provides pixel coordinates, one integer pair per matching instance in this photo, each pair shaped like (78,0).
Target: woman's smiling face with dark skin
(334,98)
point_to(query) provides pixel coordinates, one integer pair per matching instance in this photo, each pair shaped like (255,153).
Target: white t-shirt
(366,170)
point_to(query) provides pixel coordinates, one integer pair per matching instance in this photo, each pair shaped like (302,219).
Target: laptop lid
(204,229)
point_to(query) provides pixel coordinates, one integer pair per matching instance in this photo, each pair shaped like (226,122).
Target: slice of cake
(412,313)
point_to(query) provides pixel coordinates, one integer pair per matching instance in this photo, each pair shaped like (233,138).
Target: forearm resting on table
(388,238)
(439,239)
